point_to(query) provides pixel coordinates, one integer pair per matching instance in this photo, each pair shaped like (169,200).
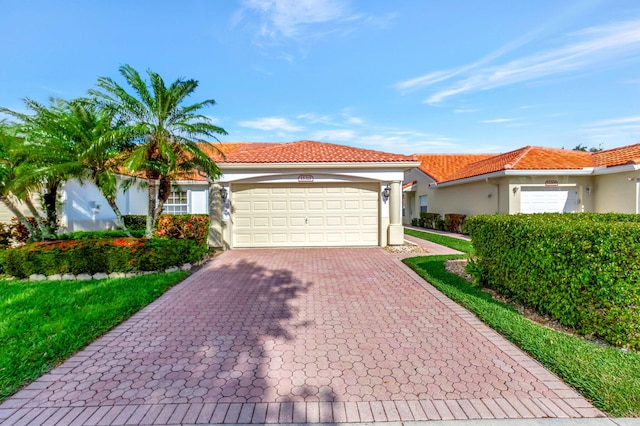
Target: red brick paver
(306,335)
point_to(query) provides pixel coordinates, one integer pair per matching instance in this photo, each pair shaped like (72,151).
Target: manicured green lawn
(451,242)
(610,378)
(43,323)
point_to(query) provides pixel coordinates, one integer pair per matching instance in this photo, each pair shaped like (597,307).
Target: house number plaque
(305,178)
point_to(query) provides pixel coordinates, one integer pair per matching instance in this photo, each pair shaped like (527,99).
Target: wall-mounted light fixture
(515,189)
(588,188)
(95,207)
(223,193)
(386,192)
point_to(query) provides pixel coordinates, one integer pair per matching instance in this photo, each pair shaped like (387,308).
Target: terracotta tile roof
(310,152)
(629,154)
(527,158)
(440,166)
(409,184)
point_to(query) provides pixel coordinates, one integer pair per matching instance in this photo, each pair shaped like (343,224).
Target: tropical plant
(44,142)
(72,139)
(10,166)
(165,131)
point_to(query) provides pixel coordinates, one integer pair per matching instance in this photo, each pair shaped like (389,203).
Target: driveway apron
(293,336)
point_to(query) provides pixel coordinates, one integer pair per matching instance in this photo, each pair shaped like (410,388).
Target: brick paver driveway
(315,335)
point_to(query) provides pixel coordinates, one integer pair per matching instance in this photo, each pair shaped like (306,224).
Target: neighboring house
(300,194)
(527,180)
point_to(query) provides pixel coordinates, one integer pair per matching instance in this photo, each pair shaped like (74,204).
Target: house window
(404,204)
(177,203)
(423,204)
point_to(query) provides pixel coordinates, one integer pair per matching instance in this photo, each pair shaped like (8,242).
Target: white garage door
(545,200)
(305,214)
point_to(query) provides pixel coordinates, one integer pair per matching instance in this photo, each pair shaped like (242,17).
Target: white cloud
(463,110)
(580,51)
(271,123)
(334,135)
(498,120)
(615,131)
(316,118)
(621,120)
(354,120)
(288,17)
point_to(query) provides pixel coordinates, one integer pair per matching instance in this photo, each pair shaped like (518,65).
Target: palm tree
(9,172)
(92,142)
(165,131)
(44,143)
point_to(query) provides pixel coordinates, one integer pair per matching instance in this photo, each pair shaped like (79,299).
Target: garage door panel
(268,215)
(370,205)
(278,238)
(297,221)
(351,221)
(335,221)
(298,237)
(297,205)
(352,204)
(334,205)
(316,205)
(315,221)
(261,222)
(279,206)
(260,206)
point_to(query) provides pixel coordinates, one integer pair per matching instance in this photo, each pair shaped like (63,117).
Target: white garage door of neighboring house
(305,214)
(545,200)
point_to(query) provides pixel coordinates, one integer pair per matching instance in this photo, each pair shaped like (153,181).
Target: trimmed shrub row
(100,255)
(581,269)
(452,222)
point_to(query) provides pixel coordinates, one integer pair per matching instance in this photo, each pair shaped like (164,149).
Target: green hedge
(429,220)
(135,222)
(581,269)
(100,255)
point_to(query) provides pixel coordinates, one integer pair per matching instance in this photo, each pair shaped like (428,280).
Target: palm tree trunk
(36,215)
(50,199)
(15,210)
(119,219)
(151,209)
(163,195)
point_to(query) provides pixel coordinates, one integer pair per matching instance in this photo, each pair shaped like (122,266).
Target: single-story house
(300,194)
(532,179)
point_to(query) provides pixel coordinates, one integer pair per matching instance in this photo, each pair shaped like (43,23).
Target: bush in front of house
(429,220)
(110,233)
(454,222)
(100,255)
(135,222)
(184,226)
(581,269)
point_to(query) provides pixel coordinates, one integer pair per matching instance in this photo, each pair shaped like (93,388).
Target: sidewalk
(435,231)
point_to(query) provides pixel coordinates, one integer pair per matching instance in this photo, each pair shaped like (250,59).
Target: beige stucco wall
(616,192)
(411,200)
(469,199)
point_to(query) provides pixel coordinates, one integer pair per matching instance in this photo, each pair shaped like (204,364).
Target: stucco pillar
(215,216)
(396,230)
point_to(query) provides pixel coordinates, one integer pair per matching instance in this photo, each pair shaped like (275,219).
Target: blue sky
(410,76)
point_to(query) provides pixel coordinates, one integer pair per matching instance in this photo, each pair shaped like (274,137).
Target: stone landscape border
(104,275)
